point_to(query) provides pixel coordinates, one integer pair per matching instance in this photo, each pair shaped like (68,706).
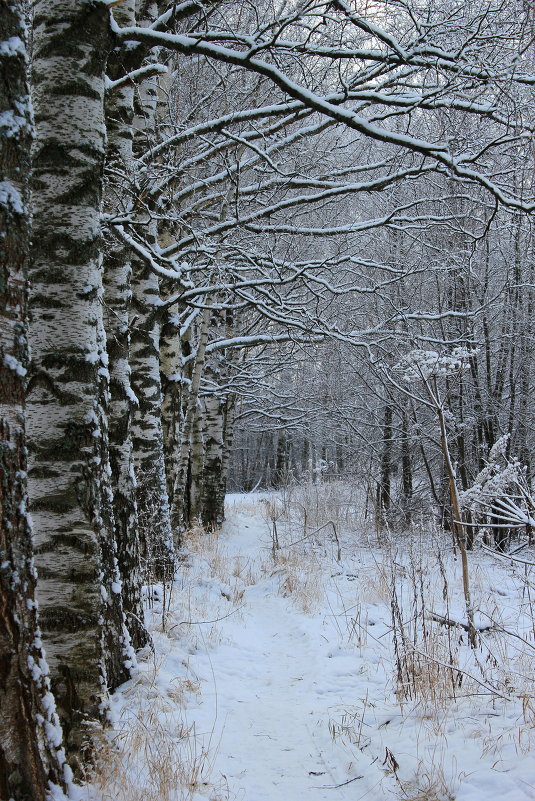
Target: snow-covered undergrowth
(303,656)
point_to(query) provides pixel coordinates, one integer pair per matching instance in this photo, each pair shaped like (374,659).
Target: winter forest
(282,249)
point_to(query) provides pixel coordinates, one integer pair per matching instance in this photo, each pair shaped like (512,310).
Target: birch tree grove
(242,216)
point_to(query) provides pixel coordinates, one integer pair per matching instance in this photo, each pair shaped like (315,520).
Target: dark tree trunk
(406,468)
(384,489)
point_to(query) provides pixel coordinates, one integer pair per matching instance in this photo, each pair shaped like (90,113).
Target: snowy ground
(288,675)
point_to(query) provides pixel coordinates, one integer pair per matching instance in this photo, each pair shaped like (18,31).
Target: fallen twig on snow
(336,786)
(448,621)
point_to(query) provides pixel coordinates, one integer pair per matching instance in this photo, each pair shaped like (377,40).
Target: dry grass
(301,511)
(153,757)
(429,784)
(374,585)
(300,578)
(314,505)
(236,571)
(432,666)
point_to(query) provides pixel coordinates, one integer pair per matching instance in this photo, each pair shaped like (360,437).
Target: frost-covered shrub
(500,494)
(500,476)
(420,365)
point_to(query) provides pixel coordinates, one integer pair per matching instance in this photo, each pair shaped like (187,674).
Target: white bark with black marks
(79,588)
(31,749)
(180,500)
(147,435)
(117,297)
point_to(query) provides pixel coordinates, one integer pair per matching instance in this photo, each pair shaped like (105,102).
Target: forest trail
(271,692)
(275,676)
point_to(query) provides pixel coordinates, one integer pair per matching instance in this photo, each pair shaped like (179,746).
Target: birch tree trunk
(194,498)
(217,463)
(172,350)
(31,752)
(180,502)
(214,443)
(79,589)
(147,434)
(117,296)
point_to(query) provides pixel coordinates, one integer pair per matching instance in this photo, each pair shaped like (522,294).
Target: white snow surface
(275,679)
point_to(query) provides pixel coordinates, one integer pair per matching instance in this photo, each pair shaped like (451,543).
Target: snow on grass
(279,672)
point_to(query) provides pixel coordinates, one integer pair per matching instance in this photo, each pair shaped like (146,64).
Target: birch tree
(146,325)
(69,474)
(117,272)
(31,751)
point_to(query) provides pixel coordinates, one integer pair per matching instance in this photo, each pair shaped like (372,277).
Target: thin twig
(487,687)
(507,556)
(336,786)
(200,622)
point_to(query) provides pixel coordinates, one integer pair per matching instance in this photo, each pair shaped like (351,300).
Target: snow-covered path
(268,697)
(275,679)
(274,742)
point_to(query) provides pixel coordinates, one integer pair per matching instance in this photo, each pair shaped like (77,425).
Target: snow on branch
(440,152)
(136,75)
(149,257)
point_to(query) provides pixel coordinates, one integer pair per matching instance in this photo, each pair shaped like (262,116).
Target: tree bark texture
(181,488)
(172,350)
(31,752)
(147,435)
(214,442)
(117,297)
(80,588)
(215,487)
(384,489)
(194,508)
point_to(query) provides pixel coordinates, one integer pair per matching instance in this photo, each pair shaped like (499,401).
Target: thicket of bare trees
(242,218)
(339,410)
